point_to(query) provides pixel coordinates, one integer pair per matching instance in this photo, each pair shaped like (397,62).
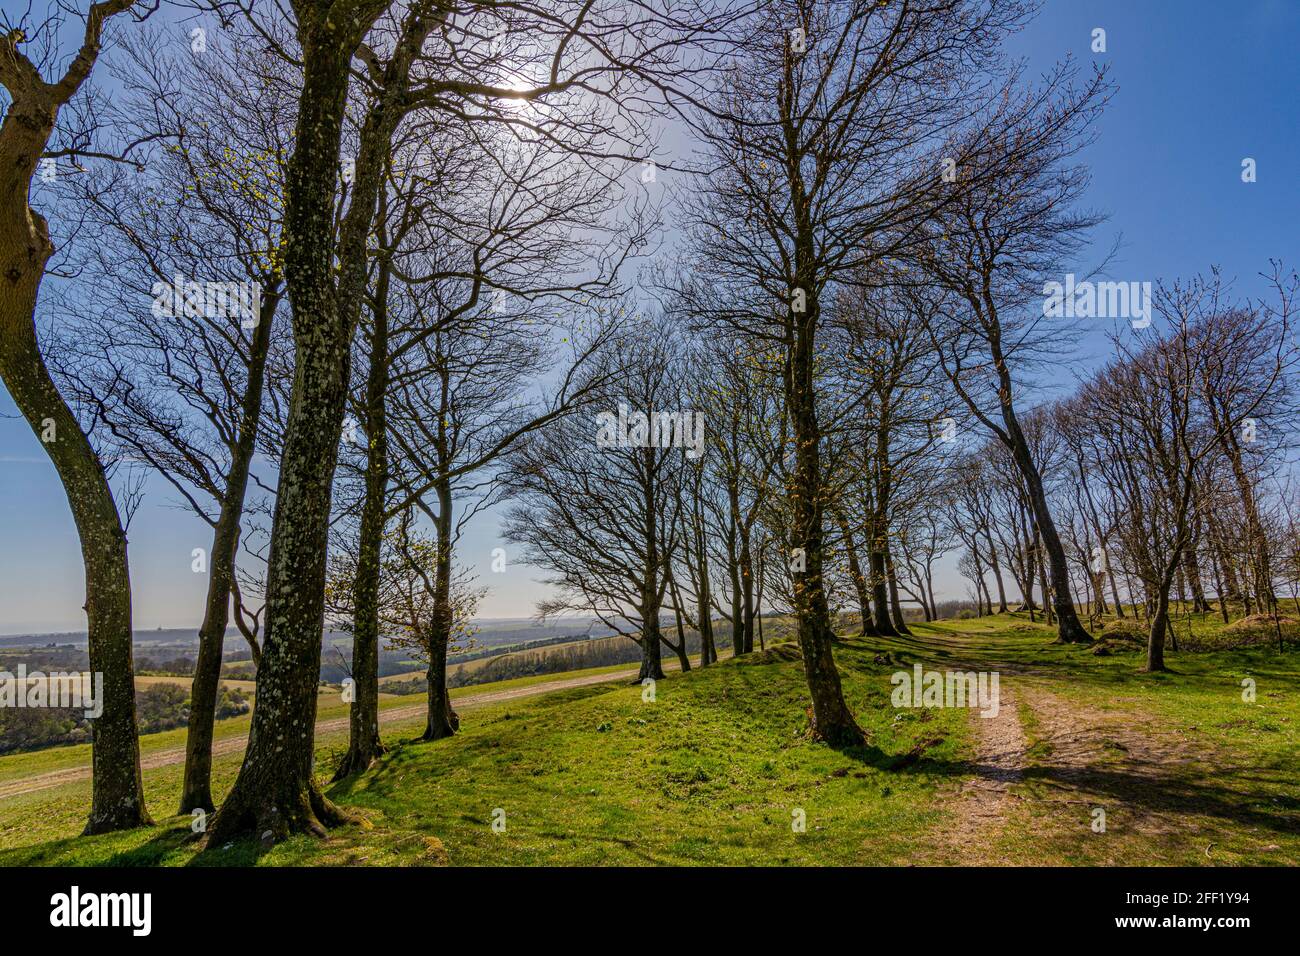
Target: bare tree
(1159,446)
(894,430)
(817,147)
(275,792)
(599,502)
(182,265)
(571,56)
(27,140)
(475,258)
(991,250)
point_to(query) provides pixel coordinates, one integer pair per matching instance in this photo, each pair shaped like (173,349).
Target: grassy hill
(714,770)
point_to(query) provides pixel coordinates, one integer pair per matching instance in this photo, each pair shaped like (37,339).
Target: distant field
(404,675)
(547,650)
(776,629)
(481,664)
(247,686)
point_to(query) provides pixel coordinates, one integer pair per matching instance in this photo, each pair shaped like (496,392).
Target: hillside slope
(718,767)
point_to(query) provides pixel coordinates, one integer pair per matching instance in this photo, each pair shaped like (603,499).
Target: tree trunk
(196,788)
(1048,605)
(708,650)
(1215,577)
(832,720)
(443,720)
(747,589)
(929,587)
(679,614)
(1114,592)
(117,795)
(997,572)
(1070,630)
(700,580)
(882,621)
(1192,567)
(364,742)
(683,659)
(275,793)
(895,607)
(1231,591)
(733,569)
(1156,637)
(651,659)
(856,576)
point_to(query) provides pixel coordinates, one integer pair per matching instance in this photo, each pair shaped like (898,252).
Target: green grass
(330,705)
(1228,775)
(1227,791)
(712,770)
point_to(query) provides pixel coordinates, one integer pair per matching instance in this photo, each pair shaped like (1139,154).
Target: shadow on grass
(1157,791)
(744,688)
(171,839)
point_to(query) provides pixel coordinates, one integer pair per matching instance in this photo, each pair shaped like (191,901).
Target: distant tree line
(158,707)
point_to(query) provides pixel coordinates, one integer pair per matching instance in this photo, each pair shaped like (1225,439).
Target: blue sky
(1201,86)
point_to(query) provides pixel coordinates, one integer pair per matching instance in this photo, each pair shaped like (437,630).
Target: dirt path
(1118,760)
(1112,757)
(236,744)
(1085,758)
(983,802)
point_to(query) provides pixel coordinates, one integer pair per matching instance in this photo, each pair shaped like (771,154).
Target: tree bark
(708,650)
(747,589)
(1156,636)
(276,793)
(856,576)
(364,742)
(1070,630)
(895,607)
(832,720)
(117,793)
(733,569)
(443,720)
(997,572)
(1192,566)
(883,621)
(683,659)
(651,658)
